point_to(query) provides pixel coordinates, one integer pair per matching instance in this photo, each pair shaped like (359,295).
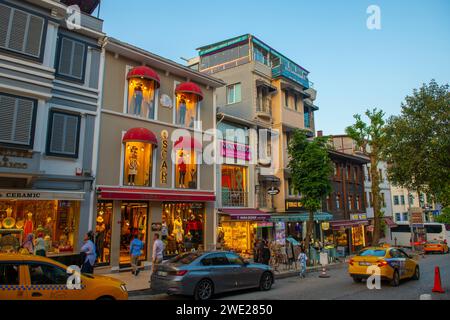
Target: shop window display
(57,220)
(239,236)
(234,186)
(187,109)
(103,232)
(138,164)
(141,97)
(183,227)
(186,169)
(134,221)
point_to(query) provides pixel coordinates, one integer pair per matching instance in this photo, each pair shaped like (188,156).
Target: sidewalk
(141,282)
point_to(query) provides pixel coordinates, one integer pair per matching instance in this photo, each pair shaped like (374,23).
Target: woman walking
(90,256)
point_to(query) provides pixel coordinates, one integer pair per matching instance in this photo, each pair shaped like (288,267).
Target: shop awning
(190,87)
(346,224)
(105,193)
(246,214)
(144,72)
(390,223)
(301,217)
(140,135)
(187,144)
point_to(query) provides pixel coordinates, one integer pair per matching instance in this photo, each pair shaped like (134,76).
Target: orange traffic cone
(437,281)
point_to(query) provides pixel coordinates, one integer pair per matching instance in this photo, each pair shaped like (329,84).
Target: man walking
(136,247)
(158,248)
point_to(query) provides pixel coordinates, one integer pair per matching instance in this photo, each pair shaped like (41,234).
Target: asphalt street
(341,287)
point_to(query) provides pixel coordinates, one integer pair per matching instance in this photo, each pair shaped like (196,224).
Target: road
(341,287)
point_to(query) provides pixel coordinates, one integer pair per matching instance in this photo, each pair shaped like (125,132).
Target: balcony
(234,199)
(264,107)
(284,70)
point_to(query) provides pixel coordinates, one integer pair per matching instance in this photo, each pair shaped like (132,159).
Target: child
(302,258)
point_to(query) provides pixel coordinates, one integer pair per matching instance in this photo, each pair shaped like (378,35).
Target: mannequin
(29,226)
(178,229)
(133,166)
(182,169)
(182,111)
(138,98)
(164,230)
(193,182)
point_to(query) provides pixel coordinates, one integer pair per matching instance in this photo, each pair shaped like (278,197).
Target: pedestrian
(158,249)
(136,247)
(265,253)
(40,247)
(255,251)
(90,254)
(302,258)
(260,251)
(28,245)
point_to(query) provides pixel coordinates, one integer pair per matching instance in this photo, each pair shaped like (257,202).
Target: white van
(401,235)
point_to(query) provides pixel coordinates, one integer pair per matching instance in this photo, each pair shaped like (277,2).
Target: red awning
(155,195)
(140,135)
(346,224)
(390,223)
(144,72)
(247,214)
(190,87)
(187,144)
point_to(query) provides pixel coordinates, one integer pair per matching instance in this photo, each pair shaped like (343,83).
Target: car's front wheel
(204,290)
(265,284)
(416,275)
(395,279)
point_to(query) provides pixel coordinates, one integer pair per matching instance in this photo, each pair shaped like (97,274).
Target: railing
(264,105)
(282,70)
(231,198)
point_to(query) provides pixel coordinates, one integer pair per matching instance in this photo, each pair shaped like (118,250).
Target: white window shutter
(16,118)
(65,57)
(34,38)
(71,137)
(18,31)
(78,60)
(24,121)
(5,17)
(7,111)
(57,135)
(64,134)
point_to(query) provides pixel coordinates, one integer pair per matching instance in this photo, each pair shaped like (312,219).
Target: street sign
(273,191)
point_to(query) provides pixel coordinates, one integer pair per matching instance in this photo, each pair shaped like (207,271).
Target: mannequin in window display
(100,237)
(133,166)
(138,99)
(193,182)
(29,226)
(182,109)
(164,229)
(182,169)
(178,231)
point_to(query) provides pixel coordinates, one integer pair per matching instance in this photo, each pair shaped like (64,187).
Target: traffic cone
(324,273)
(437,281)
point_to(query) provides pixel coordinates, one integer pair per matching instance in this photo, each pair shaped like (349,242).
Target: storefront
(54,215)
(240,228)
(348,236)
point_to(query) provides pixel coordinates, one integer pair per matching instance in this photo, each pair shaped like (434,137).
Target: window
(396,201)
(398,217)
(234,186)
(307,117)
(223,57)
(261,55)
(358,203)
(403,199)
(411,199)
(234,93)
(338,201)
(63,134)
(138,164)
(9,274)
(186,169)
(47,274)
(405,216)
(296,102)
(350,203)
(234,259)
(17,118)
(21,32)
(217,259)
(142,96)
(71,59)
(286,98)
(186,258)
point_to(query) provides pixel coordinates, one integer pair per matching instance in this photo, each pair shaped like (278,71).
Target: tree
(417,142)
(311,169)
(369,138)
(444,217)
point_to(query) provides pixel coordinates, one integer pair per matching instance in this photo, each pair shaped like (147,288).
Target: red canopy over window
(140,135)
(190,87)
(144,72)
(188,143)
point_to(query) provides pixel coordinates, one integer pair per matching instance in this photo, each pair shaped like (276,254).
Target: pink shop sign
(235,151)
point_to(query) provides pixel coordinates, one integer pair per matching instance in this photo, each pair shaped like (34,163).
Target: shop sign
(37,195)
(356,217)
(156,227)
(196,205)
(325,226)
(416,215)
(164,169)
(294,205)
(273,191)
(250,218)
(8,160)
(235,151)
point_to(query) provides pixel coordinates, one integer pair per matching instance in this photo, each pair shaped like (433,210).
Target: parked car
(394,265)
(436,246)
(27,277)
(203,274)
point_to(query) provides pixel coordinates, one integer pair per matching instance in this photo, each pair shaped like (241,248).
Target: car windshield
(185,258)
(372,252)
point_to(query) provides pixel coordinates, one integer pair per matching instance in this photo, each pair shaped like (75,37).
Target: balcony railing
(231,198)
(283,70)
(264,105)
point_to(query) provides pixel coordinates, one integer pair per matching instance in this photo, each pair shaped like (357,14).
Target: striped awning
(301,217)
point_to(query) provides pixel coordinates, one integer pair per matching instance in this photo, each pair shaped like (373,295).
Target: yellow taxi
(436,246)
(27,277)
(393,264)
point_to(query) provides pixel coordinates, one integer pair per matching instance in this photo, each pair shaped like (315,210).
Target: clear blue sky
(353,68)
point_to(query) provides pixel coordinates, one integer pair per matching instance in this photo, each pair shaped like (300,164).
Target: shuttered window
(21,31)
(63,135)
(72,56)
(17,120)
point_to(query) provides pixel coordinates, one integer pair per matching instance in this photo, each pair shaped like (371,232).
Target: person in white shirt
(158,248)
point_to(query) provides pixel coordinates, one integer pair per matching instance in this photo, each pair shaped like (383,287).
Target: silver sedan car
(203,274)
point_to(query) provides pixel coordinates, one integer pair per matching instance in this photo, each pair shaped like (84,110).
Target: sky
(352,68)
